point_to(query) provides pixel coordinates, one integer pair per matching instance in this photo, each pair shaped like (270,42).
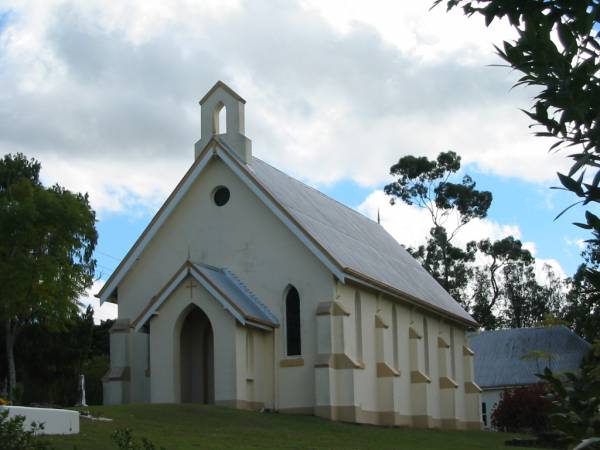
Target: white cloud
(410,225)
(427,34)
(541,272)
(116,187)
(104,93)
(580,244)
(531,247)
(104,312)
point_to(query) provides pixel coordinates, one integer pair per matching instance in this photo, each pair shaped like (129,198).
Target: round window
(221,195)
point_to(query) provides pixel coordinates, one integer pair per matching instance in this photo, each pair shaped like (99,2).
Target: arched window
(292,322)
(219,119)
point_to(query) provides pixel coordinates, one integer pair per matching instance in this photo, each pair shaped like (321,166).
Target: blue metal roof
(230,286)
(501,355)
(237,292)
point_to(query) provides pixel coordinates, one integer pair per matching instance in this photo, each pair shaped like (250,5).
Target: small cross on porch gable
(191,286)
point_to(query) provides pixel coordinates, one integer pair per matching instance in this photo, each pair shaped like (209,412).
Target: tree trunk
(10,355)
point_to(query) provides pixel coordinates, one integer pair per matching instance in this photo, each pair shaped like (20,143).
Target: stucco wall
(376,392)
(248,239)
(243,236)
(165,330)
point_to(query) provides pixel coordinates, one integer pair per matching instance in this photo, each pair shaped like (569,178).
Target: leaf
(566,38)
(571,184)
(592,219)
(567,208)
(596,179)
(579,163)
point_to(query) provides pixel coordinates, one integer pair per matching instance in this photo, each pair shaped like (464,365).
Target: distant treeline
(49,362)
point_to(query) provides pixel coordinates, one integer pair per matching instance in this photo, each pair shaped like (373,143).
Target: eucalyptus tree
(452,202)
(490,281)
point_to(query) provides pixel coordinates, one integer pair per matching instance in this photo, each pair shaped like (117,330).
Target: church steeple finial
(219,97)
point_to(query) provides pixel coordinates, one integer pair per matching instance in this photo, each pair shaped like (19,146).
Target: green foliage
(541,358)
(51,361)
(576,399)
(557,51)
(94,369)
(447,263)
(506,292)
(46,251)
(528,301)
(582,308)
(550,320)
(125,441)
(13,435)
(491,283)
(428,184)
(522,409)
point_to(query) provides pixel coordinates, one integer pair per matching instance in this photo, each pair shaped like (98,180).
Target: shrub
(575,399)
(94,369)
(13,435)
(523,409)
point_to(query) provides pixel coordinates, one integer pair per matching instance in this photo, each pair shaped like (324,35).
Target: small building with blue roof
(512,358)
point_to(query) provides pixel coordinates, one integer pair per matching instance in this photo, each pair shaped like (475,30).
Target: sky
(105,95)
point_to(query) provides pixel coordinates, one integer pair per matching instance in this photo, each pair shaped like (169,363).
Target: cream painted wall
(165,329)
(398,394)
(243,236)
(139,344)
(247,238)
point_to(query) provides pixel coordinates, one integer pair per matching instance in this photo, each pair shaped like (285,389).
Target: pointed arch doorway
(197,358)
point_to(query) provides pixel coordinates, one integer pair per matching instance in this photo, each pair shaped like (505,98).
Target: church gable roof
(507,357)
(350,245)
(356,242)
(224,286)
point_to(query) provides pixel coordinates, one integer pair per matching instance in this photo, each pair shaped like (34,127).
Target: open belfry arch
(252,290)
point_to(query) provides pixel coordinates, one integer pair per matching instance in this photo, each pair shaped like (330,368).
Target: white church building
(253,290)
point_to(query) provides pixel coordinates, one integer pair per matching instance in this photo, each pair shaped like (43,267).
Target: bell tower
(221,97)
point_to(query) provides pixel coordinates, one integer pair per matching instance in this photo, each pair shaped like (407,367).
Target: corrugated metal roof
(499,354)
(230,286)
(355,241)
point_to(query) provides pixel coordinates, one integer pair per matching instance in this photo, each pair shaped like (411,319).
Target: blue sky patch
(4,19)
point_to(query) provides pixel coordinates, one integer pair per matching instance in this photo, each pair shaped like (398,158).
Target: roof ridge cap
(201,264)
(506,330)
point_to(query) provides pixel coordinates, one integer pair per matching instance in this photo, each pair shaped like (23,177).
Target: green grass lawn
(184,427)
